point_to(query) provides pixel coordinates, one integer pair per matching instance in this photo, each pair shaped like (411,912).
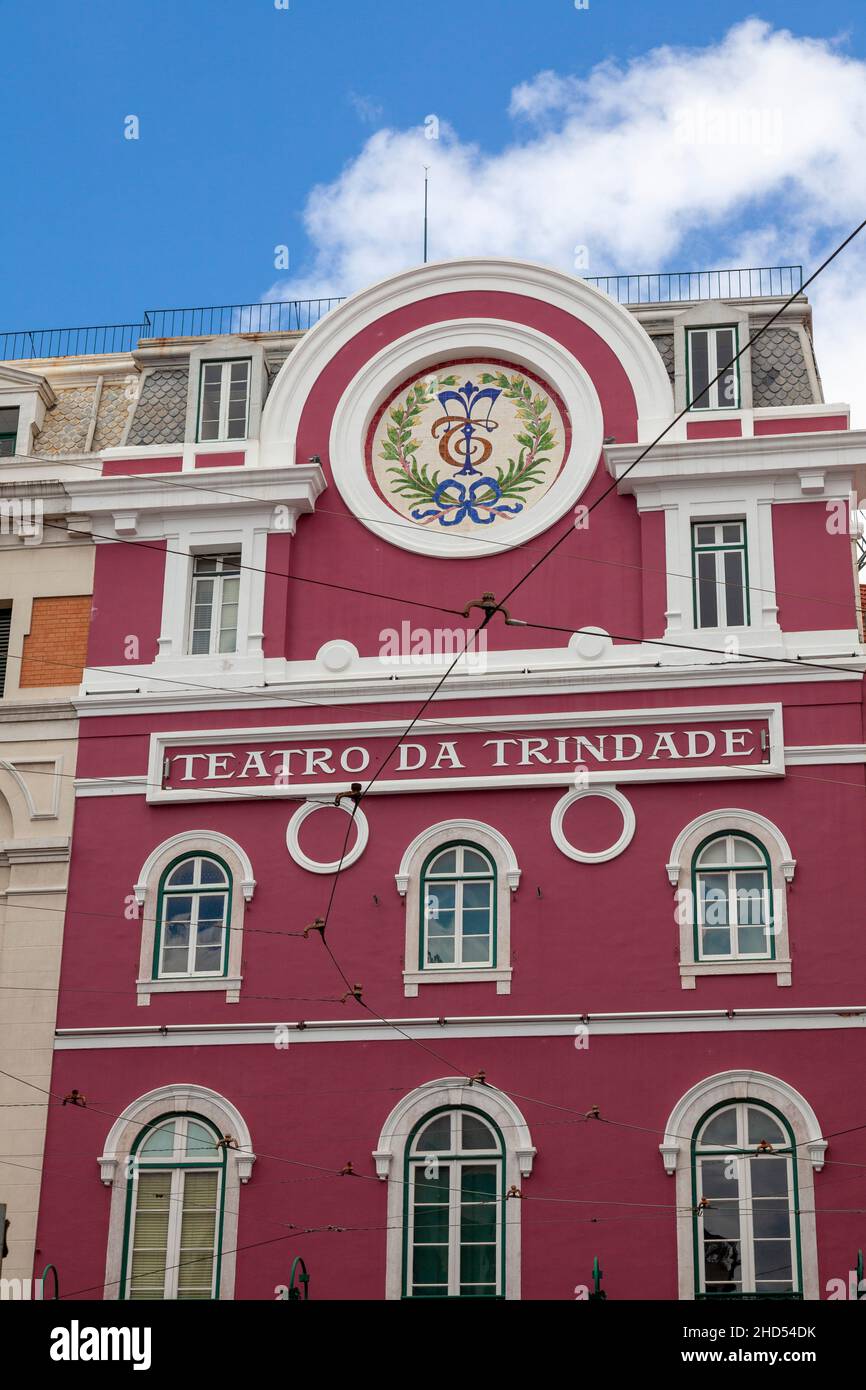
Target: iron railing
(279,316)
(298,315)
(70,342)
(672,286)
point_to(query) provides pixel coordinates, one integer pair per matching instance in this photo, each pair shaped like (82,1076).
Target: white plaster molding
(743,1085)
(717,821)
(598,856)
(454,1092)
(459,828)
(189,841)
(621,331)
(315,866)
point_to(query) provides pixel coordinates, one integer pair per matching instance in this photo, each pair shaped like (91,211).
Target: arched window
(458,878)
(175,1161)
(733,897)
(746,1212)
(194,889)
(743,1148)
(193,912)
(731,869)
(454,1174)
(174,1208)
(458,916)
(451,1153)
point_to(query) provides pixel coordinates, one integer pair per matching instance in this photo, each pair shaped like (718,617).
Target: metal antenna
(426,180)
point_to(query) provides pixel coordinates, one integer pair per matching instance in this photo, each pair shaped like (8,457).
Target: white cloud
(750,148)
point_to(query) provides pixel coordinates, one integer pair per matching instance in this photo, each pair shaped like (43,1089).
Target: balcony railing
(672,286)
(298,315)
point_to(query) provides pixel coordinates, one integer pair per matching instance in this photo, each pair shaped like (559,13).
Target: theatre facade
(470,824)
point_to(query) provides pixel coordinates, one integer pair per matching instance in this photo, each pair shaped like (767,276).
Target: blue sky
(245,108)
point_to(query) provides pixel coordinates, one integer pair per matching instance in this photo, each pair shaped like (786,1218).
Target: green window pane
(477,1264)
(430,1264)
(477,1182)
(432,1184)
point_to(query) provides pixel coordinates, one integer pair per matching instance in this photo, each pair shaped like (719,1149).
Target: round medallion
(468,446)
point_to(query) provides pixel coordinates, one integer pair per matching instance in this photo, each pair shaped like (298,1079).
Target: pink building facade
(589,980)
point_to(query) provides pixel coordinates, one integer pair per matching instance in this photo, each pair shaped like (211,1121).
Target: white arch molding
(453,1092)
(316,866)
(191,840)
(421,348)
(186,1098)
(675,1150)
(622,842)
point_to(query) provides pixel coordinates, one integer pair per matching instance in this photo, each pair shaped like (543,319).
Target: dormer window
(8,431)
(708,352)
(224,400)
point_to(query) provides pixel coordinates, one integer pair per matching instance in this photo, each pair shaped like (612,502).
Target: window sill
(780,968)
(413,978)
(188,985)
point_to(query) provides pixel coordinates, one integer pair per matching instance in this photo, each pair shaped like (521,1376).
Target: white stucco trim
(316,866)
(408,880)
(679,871)
(146,897)
(676,1156)
(185,1098)
(628,340)
(620,844)
(452,1091)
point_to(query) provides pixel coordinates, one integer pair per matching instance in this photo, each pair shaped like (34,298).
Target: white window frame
(225,371)
(115,1162)
(718,551)
(449,1093)
(459,879)
(731,821)
(195,891)
(730,870)
(712,331)
(192,843)
(675,1149)
(408,879)
(218,579)
(176,1172)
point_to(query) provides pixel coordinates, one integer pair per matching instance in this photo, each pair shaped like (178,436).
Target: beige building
(54,416)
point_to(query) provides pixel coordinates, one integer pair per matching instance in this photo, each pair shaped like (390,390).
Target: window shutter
(197,1235)
(150,1241)
(5,624)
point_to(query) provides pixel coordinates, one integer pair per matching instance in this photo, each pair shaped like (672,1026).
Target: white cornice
(823,1018)
(15,380)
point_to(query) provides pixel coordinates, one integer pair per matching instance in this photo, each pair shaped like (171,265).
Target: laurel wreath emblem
(449,502)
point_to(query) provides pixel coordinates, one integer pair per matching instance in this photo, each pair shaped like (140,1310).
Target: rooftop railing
(676,286)
(298,315)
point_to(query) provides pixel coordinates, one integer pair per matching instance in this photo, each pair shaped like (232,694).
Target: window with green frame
(708,352)
(720,574)
(192,918)
(458,908)
(746,1224)
(8,431)
(454,1203)
(172,1242)
(733,896)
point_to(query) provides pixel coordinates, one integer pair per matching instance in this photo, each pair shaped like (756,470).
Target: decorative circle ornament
(468,445)
(465,436)
(597,856)
(314,866)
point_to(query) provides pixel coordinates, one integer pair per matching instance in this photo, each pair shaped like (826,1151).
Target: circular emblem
(468,445)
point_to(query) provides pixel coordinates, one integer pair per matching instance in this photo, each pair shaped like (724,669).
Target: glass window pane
(440,951)
(719,1176)
(713,889)
(771,1219)
(200,1142)
(211,910)
(735,594)
(444,863)
(476,950)
(708,600)
(705,535)
(477,1134)
(715,853)
(769,1176)
(745,852)
(750,891)
(715,942)
(211,872)
(175,960)
(477,895)
(753,941)
(773,1260)
(474,863)
(721,1221)
(208,959)
(436,1136)
(762,1125)
(722,1128)
(160,1142)
(732,533)
(726,386)
(699,368)
(183,874)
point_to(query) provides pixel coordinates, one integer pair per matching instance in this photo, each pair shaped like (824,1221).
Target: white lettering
(740,735)
(447,750)
(255,761)
(618,744)
(364,760)
(666,741)
(499,745)
(189,759)
(597,752)
(405,752)
(316,759)
(533,748)
(217,765)
(692,740)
